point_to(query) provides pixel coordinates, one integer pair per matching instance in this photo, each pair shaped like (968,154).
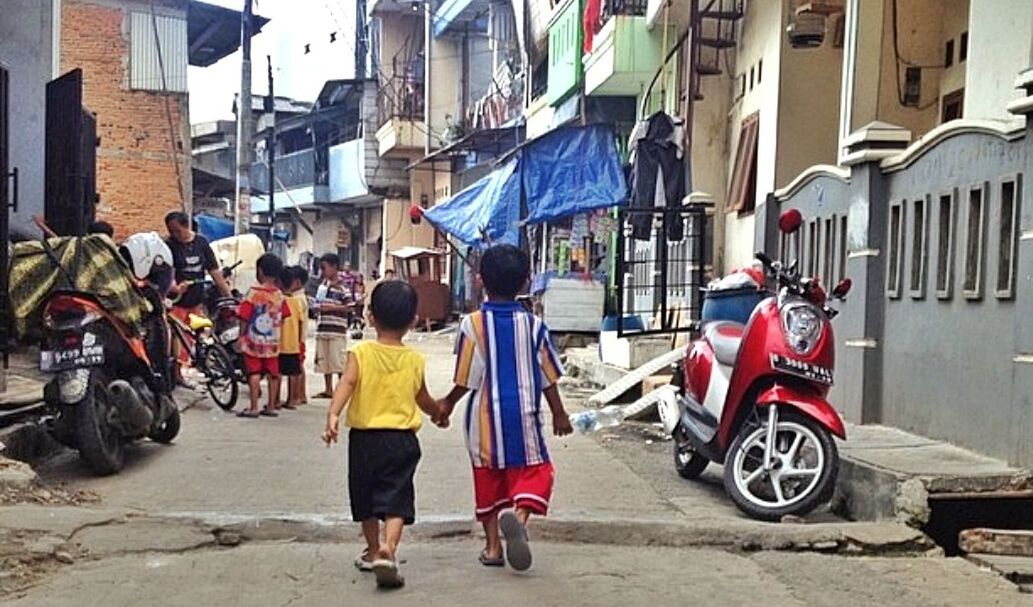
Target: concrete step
(889,473)
(1017,569)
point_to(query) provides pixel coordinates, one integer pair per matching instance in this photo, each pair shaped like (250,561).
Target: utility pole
(242,210)
(428,42)
(270,147)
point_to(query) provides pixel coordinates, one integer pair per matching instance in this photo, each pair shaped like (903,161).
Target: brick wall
(137,157)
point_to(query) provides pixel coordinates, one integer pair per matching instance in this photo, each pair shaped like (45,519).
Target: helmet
(146,252)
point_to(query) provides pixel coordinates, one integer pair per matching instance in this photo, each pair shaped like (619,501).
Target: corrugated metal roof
(145,65)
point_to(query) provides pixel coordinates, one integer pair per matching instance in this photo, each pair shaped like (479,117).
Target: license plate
(230,335)
(803,369)
(64,359)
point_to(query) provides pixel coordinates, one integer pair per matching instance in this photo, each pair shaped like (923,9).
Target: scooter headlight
(801,324)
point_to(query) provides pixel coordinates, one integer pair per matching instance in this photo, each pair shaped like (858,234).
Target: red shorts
(262,366)
(524,487)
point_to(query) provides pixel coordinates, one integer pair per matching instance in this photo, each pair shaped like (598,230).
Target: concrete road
(625,530)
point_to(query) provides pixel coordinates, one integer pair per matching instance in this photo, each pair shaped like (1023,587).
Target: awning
(213,32)
(571,170)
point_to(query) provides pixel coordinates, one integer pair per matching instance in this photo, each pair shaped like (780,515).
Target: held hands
(440,418)
(561,424)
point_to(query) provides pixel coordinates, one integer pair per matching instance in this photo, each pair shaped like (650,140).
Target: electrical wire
(898,59)
(173,152)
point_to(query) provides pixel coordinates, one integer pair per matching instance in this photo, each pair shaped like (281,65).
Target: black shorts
(290,365)
(381,468)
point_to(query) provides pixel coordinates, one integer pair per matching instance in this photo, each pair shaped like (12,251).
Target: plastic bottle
(594,420)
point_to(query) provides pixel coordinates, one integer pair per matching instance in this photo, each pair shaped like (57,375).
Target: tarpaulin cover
(488,208)
(570,170)
(214,228)
(91,263)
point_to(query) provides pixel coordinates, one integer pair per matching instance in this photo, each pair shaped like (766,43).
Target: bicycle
(207,355)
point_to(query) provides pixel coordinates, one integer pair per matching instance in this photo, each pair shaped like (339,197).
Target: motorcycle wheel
(689,464)
(804,474)
(220,376)
(168,429)
(100,444)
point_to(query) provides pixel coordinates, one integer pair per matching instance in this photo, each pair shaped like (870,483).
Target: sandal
(323,395)
(289,407)
(269,413)
(518,551)
(488,561)
(362,564)
(248,413)
(387,574)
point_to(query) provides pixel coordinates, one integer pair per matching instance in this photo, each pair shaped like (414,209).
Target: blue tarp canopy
(213,228)
(570,170)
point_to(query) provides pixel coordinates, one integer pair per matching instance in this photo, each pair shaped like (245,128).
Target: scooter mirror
(842,288)
(790,221)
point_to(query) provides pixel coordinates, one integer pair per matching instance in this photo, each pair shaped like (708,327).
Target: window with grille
(919,248)
(843,251)
(945,214)
(895,256)
(1008,236)
(975,242)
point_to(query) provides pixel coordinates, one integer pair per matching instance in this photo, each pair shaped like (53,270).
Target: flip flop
(269,413)
(488,561)
(362,564)
(518,551)
(386,572)
(289,407)
(323,395)
(248,413)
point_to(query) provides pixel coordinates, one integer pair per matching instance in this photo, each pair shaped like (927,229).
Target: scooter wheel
(687,461)
(806,463)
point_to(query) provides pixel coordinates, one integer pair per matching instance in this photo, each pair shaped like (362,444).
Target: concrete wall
(950,366)
(808,105)
(760,38)
(26,51)
(1000,35)
(955,23)
(920,39)
(138,155)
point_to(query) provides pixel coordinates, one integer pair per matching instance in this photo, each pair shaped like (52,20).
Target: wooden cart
(424,270)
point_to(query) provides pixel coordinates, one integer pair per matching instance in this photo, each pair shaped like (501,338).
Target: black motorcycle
(111,384)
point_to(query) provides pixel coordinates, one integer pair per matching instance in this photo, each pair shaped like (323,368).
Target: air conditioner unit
(806,30)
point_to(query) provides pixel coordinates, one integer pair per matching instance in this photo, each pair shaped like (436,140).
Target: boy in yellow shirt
(292,334)
(384,390)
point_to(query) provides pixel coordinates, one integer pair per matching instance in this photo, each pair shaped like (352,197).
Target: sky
(293,24)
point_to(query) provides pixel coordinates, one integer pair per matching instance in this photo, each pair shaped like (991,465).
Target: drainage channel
(953,513)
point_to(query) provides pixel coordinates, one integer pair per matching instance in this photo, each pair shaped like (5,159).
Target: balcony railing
(401,97)
(627,8)
(295,170)
(503,101)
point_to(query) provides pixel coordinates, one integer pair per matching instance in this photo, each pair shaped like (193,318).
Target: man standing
(192,258)
(335,302)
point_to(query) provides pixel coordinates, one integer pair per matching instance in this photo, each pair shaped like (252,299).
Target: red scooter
(754,398)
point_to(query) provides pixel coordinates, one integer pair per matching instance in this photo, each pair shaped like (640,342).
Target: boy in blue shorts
(507,362)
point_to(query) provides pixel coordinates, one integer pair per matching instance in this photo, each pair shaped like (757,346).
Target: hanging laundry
(657,173)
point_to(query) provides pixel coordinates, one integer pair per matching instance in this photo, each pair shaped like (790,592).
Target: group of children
(274,317)
(506,363)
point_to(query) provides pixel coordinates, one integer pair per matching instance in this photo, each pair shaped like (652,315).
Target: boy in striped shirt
(507,362)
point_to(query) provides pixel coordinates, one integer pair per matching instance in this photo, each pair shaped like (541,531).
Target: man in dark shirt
(192,258)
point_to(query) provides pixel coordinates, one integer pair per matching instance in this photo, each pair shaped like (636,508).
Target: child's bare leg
(328,380)
(254,383)
(371,531)
(274,392)
(393,527)
(523,515)
(493,539)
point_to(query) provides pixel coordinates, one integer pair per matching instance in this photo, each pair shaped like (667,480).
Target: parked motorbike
(111,385)
(753,397)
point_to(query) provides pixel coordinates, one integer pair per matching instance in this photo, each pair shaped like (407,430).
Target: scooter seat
(724,338)
(198,323)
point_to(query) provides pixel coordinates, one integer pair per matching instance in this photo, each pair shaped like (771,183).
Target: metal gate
(659,278)
(71,153)
(8,200)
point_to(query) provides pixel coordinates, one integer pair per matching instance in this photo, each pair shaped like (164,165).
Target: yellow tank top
(390,377)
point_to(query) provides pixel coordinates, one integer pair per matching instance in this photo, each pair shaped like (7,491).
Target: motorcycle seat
(198,323)
(724,338)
